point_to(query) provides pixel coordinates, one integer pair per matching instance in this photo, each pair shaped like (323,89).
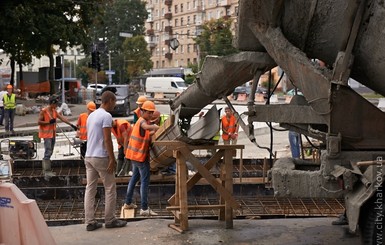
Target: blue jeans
(49,144)
(294,144)
(139,170)
(9,115)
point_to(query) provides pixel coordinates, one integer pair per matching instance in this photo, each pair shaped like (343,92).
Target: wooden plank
(210,178)
(182,180)
(228,172)
(196,177)
(127,213)
(175,144)
(198,207)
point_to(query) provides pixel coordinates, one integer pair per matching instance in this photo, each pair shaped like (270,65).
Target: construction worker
(137,111)
(9,101)
(47,131)
(138,153)
(122,129)
(159,120)
(82,127)
(101,163)
(229,127)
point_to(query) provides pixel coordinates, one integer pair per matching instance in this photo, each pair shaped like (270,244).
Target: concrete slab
(294,231)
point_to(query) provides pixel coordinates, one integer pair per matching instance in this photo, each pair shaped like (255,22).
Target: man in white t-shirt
(100,162)
(2,93)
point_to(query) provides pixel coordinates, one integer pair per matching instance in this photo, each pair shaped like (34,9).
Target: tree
(137,56)
(32,27)
(216,38)
(126,16)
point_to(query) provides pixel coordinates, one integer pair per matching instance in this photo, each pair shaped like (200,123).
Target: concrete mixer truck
(349,37)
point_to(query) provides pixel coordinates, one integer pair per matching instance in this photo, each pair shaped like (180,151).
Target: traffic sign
(110,72)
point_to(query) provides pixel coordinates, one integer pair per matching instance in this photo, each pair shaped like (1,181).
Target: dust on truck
(349,37)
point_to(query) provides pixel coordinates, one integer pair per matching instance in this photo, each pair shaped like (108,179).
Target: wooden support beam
(193,180)
(210,178)
(198,207)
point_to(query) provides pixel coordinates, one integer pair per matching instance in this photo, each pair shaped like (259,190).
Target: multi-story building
(179,21)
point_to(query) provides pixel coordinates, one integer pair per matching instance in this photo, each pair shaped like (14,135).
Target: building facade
(177,22)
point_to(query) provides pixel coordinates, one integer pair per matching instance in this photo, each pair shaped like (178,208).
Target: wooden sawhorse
(224,187)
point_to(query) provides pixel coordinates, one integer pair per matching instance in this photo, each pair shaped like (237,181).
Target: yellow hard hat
(141,100)
(148,106)
(91,106)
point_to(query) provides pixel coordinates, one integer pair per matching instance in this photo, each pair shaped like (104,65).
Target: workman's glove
(52,121)
(74,127)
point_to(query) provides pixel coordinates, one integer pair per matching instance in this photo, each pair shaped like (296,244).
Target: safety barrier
(21,220)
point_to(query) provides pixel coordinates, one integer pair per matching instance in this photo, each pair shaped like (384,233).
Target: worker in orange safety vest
(229,127)
(122,129)
(138,152)
(137,111)
(82,127)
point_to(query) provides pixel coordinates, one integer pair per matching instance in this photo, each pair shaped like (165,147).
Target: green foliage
(127,16)
(216,38)
(137,56)
(32,27)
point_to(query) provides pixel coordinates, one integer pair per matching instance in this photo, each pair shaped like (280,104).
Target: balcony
(168,29)
(168,56)
(200,8)
(168,16)
(151,44)
(168,2)
(150,32)
(224,3)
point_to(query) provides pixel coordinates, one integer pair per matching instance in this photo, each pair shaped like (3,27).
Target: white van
(168,86)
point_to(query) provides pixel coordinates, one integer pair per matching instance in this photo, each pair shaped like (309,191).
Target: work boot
(342,220)
(46,164)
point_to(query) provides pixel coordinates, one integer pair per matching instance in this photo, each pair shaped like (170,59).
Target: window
(194,4)
(188,20)
(163,64)
(181,21)
(162,25)
(162,12)
(181,49)
(188,6)
(181,7)
(176,9)
(157,13)
(188,48)
(176,22)
(173,85)
(194,19)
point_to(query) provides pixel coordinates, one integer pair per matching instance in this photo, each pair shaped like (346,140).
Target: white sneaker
(130,173)
(129,206)
(147,212)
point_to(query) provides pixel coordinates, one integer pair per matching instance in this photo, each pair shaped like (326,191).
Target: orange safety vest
(138,147)
(228,125)
(138,112)
(48,131)
(82,123)
(117,132)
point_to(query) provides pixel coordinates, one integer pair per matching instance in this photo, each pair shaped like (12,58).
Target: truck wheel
(372,221)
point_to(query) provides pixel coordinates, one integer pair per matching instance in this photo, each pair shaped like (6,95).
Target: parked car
(125,99)
(247,91)
(99,87)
